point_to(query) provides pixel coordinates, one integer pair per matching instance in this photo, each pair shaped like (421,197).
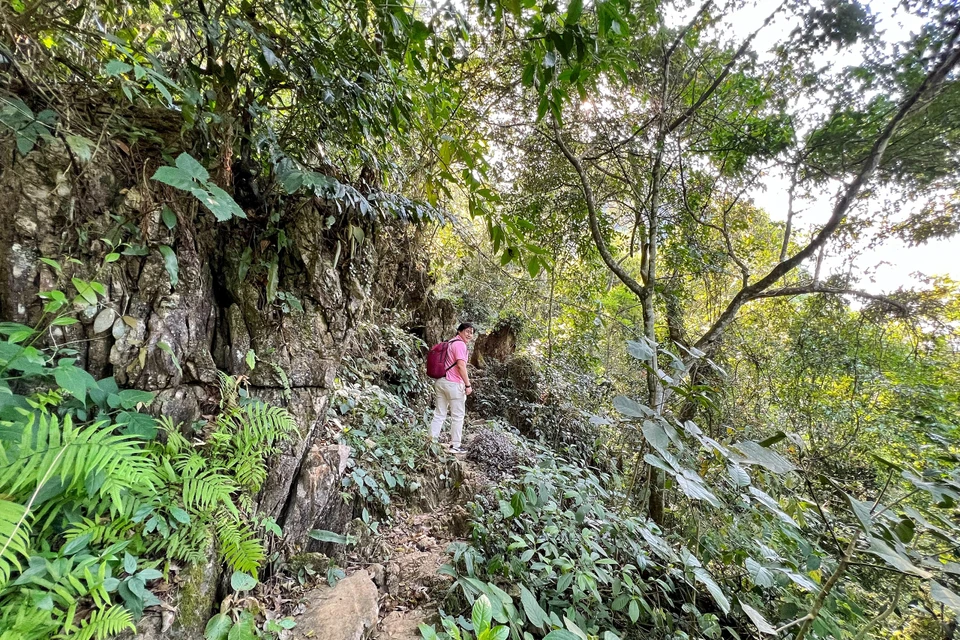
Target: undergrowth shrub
(379,409)
(94,506)
(750,547)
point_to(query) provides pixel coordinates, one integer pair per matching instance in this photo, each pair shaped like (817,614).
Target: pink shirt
(456,351)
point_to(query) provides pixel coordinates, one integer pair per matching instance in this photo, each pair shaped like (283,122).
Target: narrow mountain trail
(392,583)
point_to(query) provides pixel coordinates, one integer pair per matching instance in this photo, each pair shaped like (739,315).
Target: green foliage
(93,505)
(189,175)
(28,128)
(481,623)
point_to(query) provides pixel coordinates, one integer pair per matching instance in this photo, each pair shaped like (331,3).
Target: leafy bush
(93,507)
(751,533)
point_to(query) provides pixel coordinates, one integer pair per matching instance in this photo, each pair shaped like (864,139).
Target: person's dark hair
(464,326)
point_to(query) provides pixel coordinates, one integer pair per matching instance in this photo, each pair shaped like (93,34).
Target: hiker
(453,388)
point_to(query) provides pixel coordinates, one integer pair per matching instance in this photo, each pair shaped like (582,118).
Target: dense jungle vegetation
(734,438)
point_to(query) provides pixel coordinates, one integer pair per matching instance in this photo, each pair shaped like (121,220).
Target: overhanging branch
(819,288)
(948,61)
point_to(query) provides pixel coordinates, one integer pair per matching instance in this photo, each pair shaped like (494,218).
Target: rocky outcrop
(348,611)
(315,502)
(188,296)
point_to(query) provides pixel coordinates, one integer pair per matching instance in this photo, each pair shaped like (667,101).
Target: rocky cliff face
(151,334)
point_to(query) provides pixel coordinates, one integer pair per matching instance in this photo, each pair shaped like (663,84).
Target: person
(453,389)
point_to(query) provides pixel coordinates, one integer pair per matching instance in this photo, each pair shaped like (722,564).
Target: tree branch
(948,61)
(723,74)
(605,254)
(816,287)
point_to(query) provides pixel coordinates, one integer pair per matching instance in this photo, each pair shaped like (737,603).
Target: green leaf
(251,359)
(760,575)
(116,68)
(640,350)
(75,380)
(632,408)
(718,596)
(244,629)
(535,614)
(174,177)
(241,581)
(221,204)
(273,276)
(81,147)
(560,634)
(186,163)
(180,515)
(329,536)
(945,596)
(633,611)
(482,614)
(168,216)
(862,511)
(130,398)
(895,558)
(129,563)
(757,618)
(655,435)
(754,453)
(171,264)
(428,632)
(739,475)
(574,11)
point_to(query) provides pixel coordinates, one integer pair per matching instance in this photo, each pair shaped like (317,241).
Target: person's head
(465,331)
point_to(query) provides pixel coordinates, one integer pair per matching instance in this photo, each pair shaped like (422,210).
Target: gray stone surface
(348,611)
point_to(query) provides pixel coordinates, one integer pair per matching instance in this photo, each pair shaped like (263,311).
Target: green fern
(207,490)
(50,449)
(190,543)
(104,623)
(14,537)
(240,545)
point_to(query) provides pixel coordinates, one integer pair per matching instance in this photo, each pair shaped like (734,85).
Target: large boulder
(348,611)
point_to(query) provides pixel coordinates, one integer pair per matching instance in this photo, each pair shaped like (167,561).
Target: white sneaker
(457,450)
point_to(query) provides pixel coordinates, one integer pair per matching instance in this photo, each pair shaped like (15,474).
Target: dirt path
(415,547)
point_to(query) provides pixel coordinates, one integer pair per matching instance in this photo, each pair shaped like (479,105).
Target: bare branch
(605,254)
(723,74)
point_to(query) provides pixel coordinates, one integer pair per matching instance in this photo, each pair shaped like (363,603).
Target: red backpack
(437,359)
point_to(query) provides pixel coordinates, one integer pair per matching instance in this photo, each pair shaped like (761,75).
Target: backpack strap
(454,339)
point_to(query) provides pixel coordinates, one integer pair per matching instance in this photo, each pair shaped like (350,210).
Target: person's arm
(462,370)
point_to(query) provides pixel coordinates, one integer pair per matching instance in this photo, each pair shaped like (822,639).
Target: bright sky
(887,267)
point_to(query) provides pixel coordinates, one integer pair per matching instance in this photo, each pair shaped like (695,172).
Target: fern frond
(102,530)
(51,449)
(240,545)
(207,490)
(14,537)
(190,543)
(104,623)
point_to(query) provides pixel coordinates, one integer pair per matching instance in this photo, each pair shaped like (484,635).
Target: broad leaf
(757,618)
(895,558)
(241,581)
(718,596)
(170,263)
(754,453)
(189,165)
(945,596)
(218,627)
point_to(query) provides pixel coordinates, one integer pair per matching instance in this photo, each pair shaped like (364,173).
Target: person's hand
(468,389)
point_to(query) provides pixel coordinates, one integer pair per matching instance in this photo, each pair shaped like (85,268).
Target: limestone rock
(402,625)
(348,611)
(316,496)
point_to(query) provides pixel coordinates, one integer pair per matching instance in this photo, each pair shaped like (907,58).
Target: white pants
(452,395)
